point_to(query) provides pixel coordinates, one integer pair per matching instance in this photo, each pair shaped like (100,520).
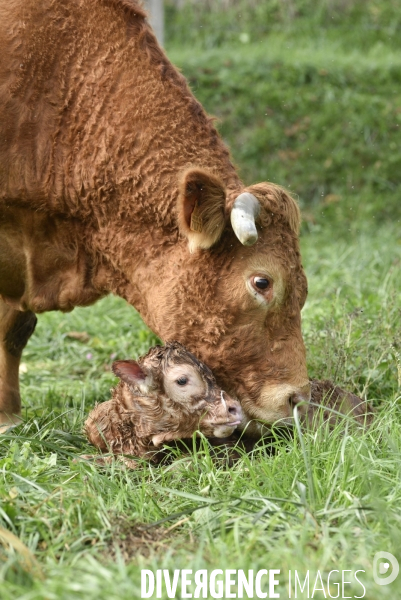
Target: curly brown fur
(277,202)
(98,131)
(145,411)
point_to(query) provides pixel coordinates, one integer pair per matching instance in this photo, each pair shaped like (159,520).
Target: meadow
(308,101)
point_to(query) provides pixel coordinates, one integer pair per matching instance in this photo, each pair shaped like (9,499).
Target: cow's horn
(244,213)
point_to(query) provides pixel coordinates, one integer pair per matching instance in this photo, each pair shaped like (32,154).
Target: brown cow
(114,180)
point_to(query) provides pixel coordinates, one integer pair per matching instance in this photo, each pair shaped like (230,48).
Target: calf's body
(164,396)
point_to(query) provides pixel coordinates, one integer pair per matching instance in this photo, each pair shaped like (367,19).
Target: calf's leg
(16,327)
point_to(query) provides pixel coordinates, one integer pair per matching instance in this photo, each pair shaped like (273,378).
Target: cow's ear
(132,373)
(201,208)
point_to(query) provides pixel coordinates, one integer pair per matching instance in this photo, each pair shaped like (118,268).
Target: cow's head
(235,292)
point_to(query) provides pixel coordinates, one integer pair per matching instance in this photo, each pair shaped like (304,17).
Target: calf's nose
(234,409)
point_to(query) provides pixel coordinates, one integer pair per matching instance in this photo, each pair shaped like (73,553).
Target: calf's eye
(261,283)
(182,380)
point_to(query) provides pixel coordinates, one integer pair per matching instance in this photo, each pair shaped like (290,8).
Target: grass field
(322,501)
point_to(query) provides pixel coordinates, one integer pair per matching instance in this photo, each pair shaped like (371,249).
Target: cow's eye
(261,283)
(182,380)
(261,288)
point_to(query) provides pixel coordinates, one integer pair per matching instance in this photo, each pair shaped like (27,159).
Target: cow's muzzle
(276,403)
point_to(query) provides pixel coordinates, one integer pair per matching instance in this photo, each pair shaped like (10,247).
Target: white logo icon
(381,565)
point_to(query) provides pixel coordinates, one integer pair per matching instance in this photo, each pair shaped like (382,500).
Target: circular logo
(381,565)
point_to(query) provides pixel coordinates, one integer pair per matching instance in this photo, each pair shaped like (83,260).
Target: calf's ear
(201,208)
(131,373)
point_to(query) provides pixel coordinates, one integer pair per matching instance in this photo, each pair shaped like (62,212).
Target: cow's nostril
(298,400)
(232,410)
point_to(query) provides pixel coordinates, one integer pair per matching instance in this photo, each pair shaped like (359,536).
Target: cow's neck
(132,127)
(112,126)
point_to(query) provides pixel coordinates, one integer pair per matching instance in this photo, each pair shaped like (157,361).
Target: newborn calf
(166,395)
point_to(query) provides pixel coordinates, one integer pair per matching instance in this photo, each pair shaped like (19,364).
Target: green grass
(330,505)
(320,120)
(217,23)
(313,103)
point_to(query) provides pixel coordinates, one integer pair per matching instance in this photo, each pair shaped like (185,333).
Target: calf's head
(180,390)
(233,291)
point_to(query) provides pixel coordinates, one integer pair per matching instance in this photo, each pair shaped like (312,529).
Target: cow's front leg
(15,330)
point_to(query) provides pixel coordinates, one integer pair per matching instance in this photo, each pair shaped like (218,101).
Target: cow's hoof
(8,422)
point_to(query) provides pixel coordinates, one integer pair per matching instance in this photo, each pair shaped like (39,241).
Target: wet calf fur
(166,395)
